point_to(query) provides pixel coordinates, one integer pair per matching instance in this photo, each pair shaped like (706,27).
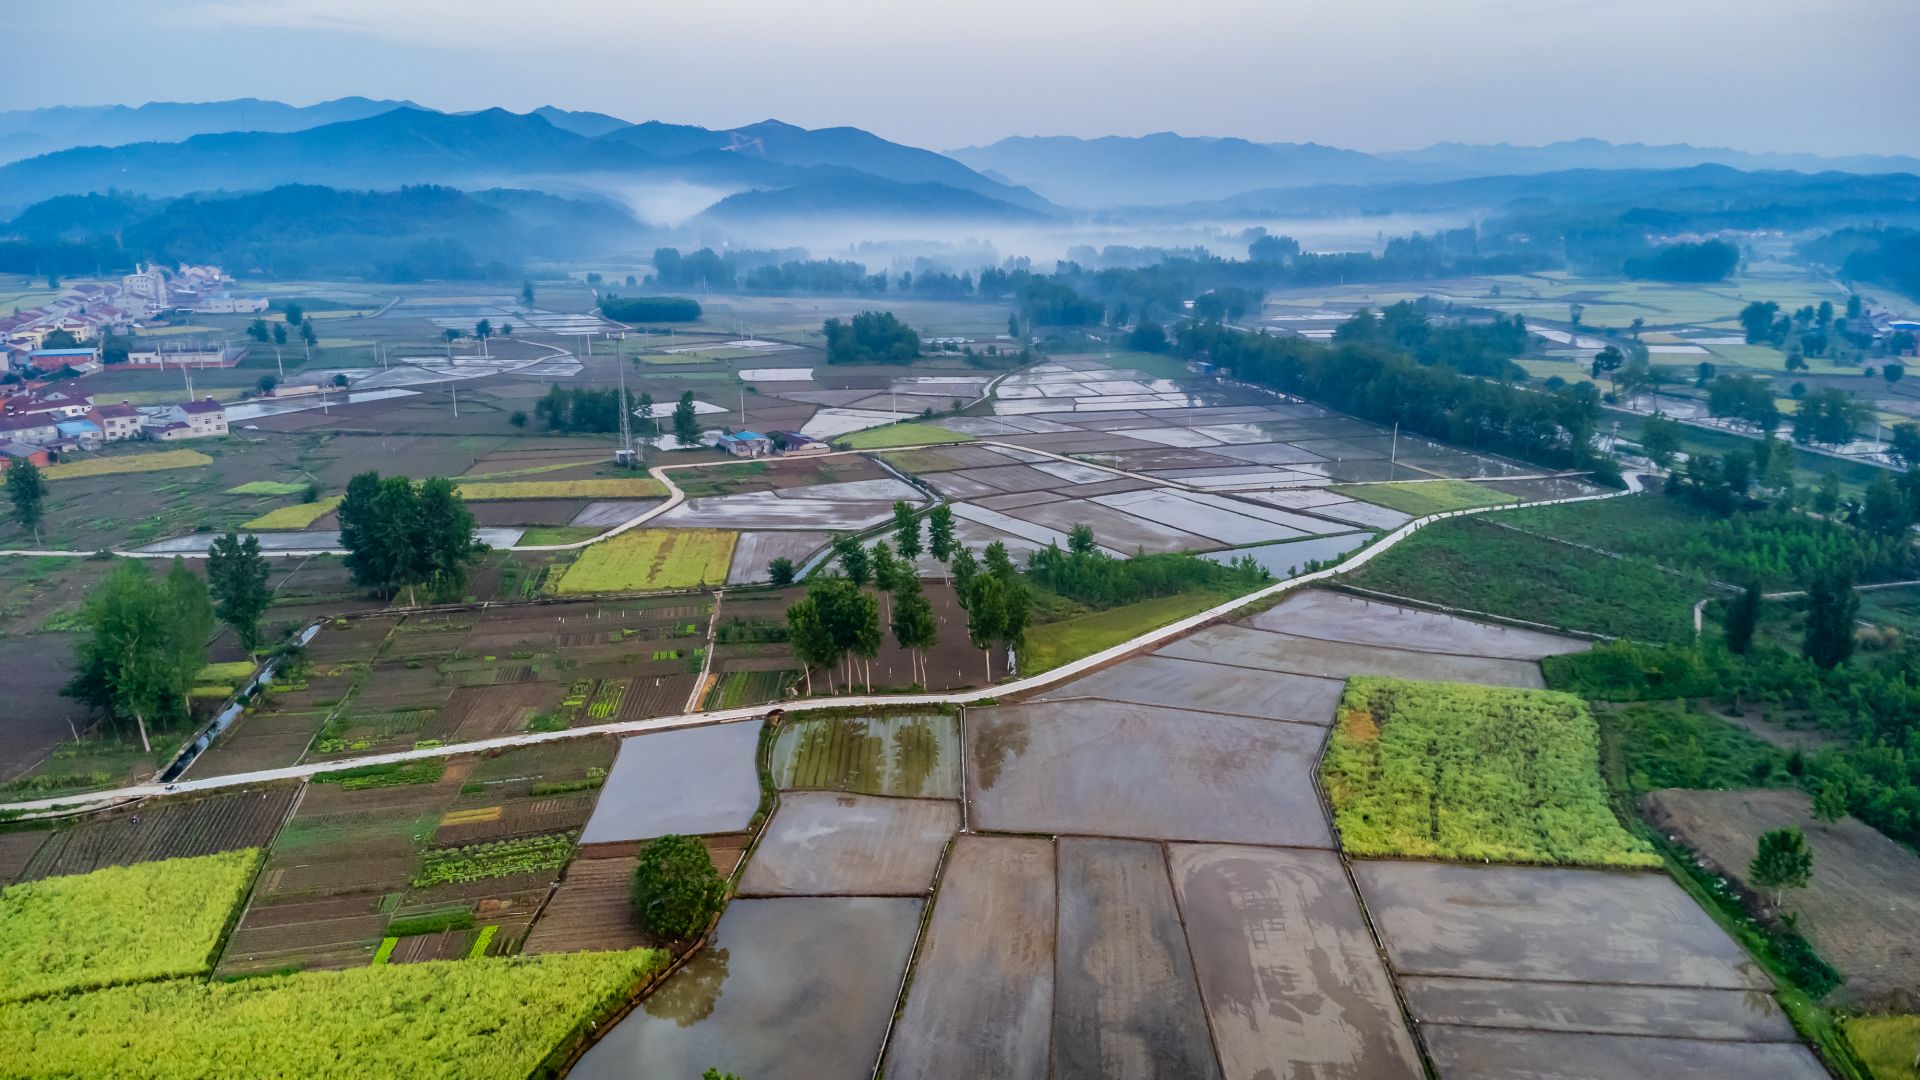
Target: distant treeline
(1381,382)
(640,309)
(1709,260)
(1885,256)
(871,337)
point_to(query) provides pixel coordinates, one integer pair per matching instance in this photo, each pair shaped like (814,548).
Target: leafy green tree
(1904,447)
(399,536)
(257,330)
(237,576)
(1826,501)
(145,642)
(780,571)
(997,562)
(294,314)
(871,337)
(1826,417)
(27,492)
(676,890)
(686,421)
(887,572)
(445,539)
(940,532)
(854,560)
(1782,861)
(914,625)
(279,333)
(526,293)
(1081,541)
(986,615)
(965,567)
(1832,608)
(812,642)
(1660,439)
(518,418)
(1743,616)
(711,1073)
(1885,510)
(1830,802)
(906,530)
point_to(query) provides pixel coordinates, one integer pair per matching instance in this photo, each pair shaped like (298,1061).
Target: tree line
(400,535)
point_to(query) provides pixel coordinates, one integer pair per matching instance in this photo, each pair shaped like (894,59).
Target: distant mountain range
(27,132)
(550,149)
(1165,168)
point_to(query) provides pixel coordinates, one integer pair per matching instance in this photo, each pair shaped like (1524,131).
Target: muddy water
(981,1003)
(1614,1010)
(1161,680)
(1333,616)
(829,843)
(695,780)
(908,756)
(1125,1001)
(791,988)
(1268,651)
(1557,925)
(1102,768)
(1490,1054)
(1292,982)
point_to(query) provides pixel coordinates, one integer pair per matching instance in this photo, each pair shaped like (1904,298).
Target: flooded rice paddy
(908,756)
(691,781)
(824,843)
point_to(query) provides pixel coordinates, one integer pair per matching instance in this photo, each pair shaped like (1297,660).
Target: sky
(1822,76)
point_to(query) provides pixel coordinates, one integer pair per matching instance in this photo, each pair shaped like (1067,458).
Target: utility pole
(625,456)
(1394,461)
(453,388)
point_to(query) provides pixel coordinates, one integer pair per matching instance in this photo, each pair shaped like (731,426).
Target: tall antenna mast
(626,455)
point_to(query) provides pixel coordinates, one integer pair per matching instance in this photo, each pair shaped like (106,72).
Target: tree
(294,314)
(237,575)
(1885,511)
(518,418)
(686,421)
(1826,416)
(145,641)
(914,626)
(1831,610)
(1826,501)
(257,330)
(780,571)
(986,615)
(526,293)
(644,410)
(1757,319)
(811,639)
(265,384)
(1080,539)
(1893,373)
(1743,615)
(483,330)
(1830,802)
(279,333)
(445,539)
(940,532)
(1608,361)
(854,560)
(1660,439)
(871,337)
(964,568)
(1905,445)
(676,890)
(27,492)
(906,531)
(996,561)
(1782,861)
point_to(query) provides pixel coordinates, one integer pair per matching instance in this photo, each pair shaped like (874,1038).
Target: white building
(187,420)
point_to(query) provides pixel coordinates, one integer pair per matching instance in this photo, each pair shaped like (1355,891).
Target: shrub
(676,890)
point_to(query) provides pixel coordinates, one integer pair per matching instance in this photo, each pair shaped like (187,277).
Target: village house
(34,429)
(188,420)
(746,444)
(11,452)
(794,444)
(117,422)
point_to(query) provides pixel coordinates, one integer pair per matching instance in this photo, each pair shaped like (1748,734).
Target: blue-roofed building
(85,432)
(746,444)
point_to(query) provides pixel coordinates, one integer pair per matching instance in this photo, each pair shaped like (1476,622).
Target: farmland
(297,516)
(882,438)
(1886,1045)
(1421,498)
(1429,770)
(651,559)
(114,465)
(487,1018)
(607,488)
(99,929)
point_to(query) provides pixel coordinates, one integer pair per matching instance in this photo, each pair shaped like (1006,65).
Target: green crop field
(267,487)
(297,516)
(1449,771)
(1051,644)
(1889,1046)
(126,463)
(636,487)
(1424,497)
(1478,565)
(123,924)
(452,1019)
(651,559)
(892,435)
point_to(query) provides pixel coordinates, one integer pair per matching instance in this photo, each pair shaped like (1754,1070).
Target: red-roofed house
(117,422)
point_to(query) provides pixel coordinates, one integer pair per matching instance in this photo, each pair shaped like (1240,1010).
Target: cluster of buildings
(90,312)
(752,444)
(59,418)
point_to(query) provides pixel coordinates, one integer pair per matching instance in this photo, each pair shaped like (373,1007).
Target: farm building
(188,420)
(746,444)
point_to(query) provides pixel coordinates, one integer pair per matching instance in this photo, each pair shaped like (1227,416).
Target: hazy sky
(1831,76)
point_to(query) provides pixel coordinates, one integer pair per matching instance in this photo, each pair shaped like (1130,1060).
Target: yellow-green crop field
(126,463)
(1424,497)
(232,671)
(297,516)
(651,559)
(638,487)
(892,435)
(448,1019)
(1889,1046)
(531,470)
(1476,773)
(267,487)
(123,924)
